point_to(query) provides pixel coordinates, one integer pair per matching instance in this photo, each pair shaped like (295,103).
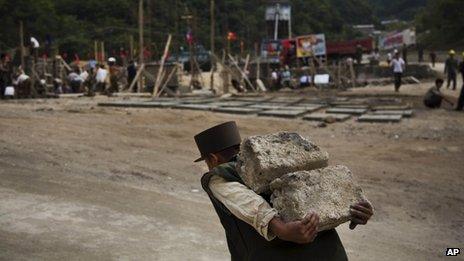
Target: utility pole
(213,27)
(141,62)
(21,43)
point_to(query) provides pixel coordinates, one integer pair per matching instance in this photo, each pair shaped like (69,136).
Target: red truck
(347,48)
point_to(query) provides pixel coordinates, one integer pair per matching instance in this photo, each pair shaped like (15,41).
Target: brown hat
(217,138)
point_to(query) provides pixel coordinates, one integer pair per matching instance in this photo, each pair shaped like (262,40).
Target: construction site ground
(82,182)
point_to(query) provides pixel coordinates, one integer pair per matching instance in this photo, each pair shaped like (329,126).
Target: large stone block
(329,192)
(265,158)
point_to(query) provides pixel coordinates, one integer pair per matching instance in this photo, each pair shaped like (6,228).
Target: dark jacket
(246,244)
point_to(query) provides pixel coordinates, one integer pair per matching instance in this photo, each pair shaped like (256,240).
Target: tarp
(310,45)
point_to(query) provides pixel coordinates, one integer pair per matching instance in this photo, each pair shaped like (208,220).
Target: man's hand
(301,232)
(360,214)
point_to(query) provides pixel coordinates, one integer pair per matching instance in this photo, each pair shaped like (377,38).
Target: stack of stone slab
(296,172)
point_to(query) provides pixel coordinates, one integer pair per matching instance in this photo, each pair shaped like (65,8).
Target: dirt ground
(81,182)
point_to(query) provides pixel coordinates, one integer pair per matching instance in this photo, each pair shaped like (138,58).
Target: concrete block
(346,111)
(267,106)
(231,104)
(283,113)
(329,192)
(265,158)
(380,118)
(405,113)
(326,117)
(237,110)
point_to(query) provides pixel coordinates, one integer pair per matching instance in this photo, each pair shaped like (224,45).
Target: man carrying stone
(398,65)
(254,230)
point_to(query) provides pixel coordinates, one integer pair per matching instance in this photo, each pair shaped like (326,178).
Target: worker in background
(75,80)
(286,77)
(398,65)
(359,54)
(434,97)
(433,58)
(5,73)
(305,80)
(131,73)
(254,230)
(405,53)
(22,84)
(420,53)
(460,106)
(101,77)
(389,58)
(451,68)
(115,72)
(275,80)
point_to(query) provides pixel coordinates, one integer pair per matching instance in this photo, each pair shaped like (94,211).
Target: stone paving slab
(282,113)
(326,117)
(346,111)
(391,108)
(307,108)
(287,100)
(231,104)
(196,107)
(138,104)
(406,113)
(266,106)
(237,110)
(353,106)
(380,118)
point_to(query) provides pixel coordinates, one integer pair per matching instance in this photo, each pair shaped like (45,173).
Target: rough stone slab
(406,113)
(380,118)
(265,158)
(283,113)
(329,192)
(237,110)
(346,111)
(326,117)
(196,107)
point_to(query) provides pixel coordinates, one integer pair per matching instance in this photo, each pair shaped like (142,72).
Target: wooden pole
(95,50)
(21,44)
(244,76)
(141,62)
(167,81)
(161,69)
(213,27)
(131,47)
(102,51)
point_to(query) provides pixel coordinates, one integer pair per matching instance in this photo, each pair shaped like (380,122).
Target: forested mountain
(397,9)
(74,25)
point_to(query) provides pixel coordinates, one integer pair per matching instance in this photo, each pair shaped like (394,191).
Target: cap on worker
(452,51)
(111,60)
(217,138)
(395,51)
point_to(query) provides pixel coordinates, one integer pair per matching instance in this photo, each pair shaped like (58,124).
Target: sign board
(271,49)
(310,45)
(280,11)
(398,39)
